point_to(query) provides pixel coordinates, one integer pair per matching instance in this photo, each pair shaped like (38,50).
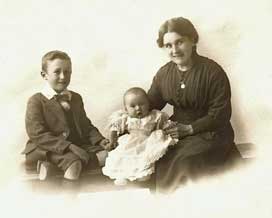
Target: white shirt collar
(49,93)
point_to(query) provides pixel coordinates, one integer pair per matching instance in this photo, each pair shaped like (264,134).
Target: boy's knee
(73,171)
(32,158)
(101,156)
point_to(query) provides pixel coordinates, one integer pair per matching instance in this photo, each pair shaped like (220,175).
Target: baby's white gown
(136,153)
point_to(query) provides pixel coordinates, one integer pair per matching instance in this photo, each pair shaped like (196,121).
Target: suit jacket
(48,129)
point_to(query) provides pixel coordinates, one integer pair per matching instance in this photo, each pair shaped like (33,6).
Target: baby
(135,153)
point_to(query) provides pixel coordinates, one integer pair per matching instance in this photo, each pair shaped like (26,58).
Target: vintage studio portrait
(135,108)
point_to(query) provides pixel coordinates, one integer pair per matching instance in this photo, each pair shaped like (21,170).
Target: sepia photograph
(133,108)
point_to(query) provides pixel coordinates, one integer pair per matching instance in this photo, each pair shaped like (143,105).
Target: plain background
(113,47)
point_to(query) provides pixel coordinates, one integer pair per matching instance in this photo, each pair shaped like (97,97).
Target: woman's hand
(178,130)
(81,153)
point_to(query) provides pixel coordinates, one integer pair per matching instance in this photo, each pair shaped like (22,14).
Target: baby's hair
(136,91)
(52,55)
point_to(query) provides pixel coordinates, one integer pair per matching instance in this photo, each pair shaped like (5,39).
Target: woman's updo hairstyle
(180,25)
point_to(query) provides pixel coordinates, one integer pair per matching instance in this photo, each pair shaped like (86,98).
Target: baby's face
(58,74)
(136,105)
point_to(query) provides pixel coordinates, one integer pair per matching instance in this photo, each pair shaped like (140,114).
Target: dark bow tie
(63,99)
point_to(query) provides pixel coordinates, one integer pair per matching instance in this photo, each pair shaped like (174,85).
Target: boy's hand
(81,153)
(107,145)
(103,143)
(111,145)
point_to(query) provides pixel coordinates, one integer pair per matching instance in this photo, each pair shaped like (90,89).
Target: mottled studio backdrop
(113,47)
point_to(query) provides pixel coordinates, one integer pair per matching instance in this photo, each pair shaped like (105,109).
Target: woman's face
(179,48)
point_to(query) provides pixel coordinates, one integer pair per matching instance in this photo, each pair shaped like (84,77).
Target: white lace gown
(137,151)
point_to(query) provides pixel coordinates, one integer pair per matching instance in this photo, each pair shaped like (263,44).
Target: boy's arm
(112,142)
(38,131)
(93,133)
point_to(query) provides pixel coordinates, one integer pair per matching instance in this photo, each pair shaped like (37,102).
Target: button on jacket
(47,126)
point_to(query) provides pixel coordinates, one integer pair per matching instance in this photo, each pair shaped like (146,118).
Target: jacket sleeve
(219,104)
(94,135)
(38,131)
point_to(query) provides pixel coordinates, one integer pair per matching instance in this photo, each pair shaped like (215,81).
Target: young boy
(59,131)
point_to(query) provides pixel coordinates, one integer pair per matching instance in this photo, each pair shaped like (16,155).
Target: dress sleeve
(118,122)
(219,104)
(154,94)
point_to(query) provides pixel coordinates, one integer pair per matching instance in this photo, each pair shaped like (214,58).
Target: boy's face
(58,74)
(136,105)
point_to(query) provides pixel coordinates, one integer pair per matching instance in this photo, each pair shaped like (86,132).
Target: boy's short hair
(51,55)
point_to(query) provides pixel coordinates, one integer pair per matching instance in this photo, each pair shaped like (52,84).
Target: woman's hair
(52,55)
(180,25)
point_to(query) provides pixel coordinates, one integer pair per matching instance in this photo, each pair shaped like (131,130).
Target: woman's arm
(219,104)
(218,107)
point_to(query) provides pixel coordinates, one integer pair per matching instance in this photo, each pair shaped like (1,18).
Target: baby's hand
(103,143)
(107,145)
(113,141)
(110,146)
(113,145)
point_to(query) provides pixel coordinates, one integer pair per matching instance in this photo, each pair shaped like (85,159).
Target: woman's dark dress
(205,104)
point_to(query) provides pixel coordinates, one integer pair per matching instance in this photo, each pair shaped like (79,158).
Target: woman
(199,91)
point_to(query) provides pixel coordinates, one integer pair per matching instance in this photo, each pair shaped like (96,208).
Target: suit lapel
(55,108)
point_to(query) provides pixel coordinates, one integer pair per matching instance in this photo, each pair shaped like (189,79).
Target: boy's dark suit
(48,130)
